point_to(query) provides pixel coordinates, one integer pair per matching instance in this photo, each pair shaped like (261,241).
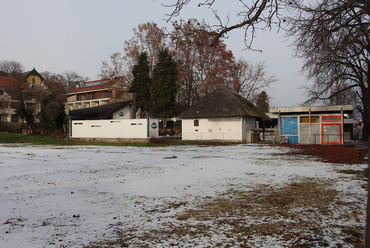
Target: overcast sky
(60,35)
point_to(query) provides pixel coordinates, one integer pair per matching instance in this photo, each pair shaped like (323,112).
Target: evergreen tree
(52,114)
(164,87)
(262,102)
(141,83)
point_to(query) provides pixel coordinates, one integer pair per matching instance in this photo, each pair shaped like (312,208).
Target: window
(306,119)
(33,80)
(196,123)
(331,118)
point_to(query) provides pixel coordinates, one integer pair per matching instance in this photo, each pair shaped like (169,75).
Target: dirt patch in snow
(304,213)
(331,154)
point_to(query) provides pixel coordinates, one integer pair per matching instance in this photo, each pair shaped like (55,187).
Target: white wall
(123,113)
(229,129)
(126,129)
(248,123)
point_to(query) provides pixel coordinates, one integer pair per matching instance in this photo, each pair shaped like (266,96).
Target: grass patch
(25,138)
(6,137)
(361,174)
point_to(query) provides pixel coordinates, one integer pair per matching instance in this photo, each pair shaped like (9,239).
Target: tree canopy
(332,37)
(251,15)
(201,69)
(164,88)
(141,83)
(11,67)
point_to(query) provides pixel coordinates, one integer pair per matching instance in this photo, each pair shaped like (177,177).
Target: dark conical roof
(223,102)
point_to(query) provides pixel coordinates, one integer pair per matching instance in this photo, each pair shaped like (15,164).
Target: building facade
(313,124)
(96,93)
(222,115)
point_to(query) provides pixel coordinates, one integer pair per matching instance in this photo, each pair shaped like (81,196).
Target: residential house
(10,92)
(25,88)
(96,93)
(33,77)
(221,115)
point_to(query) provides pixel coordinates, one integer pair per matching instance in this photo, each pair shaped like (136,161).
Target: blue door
(289,129)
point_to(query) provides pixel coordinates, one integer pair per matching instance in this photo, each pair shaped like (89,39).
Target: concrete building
(96,93)
(313,124)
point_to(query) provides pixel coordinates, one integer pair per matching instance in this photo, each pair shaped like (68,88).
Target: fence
(112,129)
(330,139)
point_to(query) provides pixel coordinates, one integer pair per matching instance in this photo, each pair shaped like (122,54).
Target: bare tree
(11,67)
(260,14)
(332,36)
(115,68)
(253,78)
(72,76)
(52,77)
(149,38)
(67,76)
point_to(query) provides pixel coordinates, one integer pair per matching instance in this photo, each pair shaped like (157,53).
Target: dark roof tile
(98,112)
(223,102)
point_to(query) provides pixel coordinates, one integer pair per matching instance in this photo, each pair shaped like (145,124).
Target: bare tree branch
(259,14)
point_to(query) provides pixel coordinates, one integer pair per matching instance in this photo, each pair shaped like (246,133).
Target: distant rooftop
(307,109)
(94,83)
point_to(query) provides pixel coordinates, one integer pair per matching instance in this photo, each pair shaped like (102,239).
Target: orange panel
(332,118)
(334,136)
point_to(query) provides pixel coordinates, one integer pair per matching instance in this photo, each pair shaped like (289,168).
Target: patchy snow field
(190,196)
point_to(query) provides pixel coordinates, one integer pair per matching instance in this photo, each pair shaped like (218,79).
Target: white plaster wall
(133,128)
(248,123)
(230,129)
(125,111)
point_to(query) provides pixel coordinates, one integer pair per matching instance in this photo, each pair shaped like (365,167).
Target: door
(289,129)
(216,129)
(331,134)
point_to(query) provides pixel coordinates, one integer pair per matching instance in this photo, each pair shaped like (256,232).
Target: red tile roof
(104,84)
(96,85)
(11,83)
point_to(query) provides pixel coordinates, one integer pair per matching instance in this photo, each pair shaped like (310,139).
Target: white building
(111,121)
(223,115)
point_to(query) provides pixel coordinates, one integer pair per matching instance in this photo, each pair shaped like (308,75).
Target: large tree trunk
(366,114)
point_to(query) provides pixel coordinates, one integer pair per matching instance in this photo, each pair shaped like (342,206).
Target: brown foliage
(201,68)
(331,154)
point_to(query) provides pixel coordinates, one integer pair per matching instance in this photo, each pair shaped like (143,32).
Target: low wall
(114,129)
(114,140)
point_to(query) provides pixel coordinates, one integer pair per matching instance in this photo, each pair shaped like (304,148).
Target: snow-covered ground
(54,196)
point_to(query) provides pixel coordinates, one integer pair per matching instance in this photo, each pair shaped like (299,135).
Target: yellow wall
(36,81)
